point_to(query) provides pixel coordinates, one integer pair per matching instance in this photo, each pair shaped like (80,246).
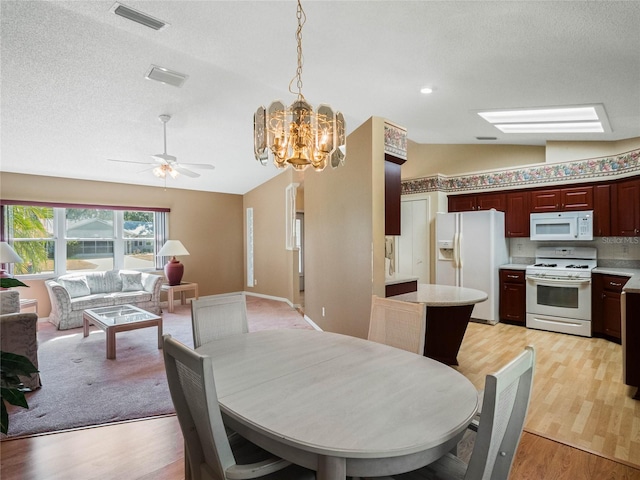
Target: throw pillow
(131,282)
(77,287)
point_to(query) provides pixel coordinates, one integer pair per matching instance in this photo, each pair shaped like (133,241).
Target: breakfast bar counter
(448,312)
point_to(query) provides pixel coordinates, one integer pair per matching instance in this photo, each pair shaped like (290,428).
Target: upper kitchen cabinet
(562,199)
(395,154)
(602,210)
(517,214)
(477,201)
(625,215)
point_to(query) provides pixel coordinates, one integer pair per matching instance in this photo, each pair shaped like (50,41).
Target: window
(55,240)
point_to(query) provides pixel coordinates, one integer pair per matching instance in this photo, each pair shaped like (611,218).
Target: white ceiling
(73,92)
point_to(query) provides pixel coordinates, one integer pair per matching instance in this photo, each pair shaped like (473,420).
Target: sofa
(73,293)
(18,333)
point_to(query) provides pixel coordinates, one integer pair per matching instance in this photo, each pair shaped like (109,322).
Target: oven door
(559,297)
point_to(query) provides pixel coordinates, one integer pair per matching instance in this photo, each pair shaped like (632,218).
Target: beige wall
(557,152)
(425,160)
(344,221)
(208,224)
(275,267)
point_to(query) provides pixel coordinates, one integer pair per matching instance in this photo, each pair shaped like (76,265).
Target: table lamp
(8,255)
(173,270)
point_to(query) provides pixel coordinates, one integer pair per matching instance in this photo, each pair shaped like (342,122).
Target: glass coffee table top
(120,314)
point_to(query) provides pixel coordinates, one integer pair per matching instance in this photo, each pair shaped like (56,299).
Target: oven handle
(556,281)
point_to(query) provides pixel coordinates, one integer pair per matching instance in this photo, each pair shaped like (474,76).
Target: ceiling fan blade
(128,161)
(184,171)
(205,166)
(164,158)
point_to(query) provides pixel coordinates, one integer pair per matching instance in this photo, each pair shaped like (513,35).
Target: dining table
(448,311)
(337,404)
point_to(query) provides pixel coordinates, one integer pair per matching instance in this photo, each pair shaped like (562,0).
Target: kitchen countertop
(632,286)
(513,266)
(443,295)
(399,278)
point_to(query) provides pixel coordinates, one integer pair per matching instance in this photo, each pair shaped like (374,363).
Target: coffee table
(119,318)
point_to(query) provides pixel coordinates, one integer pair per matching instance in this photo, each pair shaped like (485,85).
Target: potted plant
(11,388)
(8,282)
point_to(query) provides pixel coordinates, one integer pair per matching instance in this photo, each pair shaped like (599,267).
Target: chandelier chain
(302,18)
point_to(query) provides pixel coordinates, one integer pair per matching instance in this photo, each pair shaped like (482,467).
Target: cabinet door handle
(615,284)
(513,276)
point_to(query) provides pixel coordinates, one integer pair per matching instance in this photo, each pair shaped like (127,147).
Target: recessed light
(426,90)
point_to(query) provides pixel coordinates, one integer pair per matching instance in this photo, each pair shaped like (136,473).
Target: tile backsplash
(622,252)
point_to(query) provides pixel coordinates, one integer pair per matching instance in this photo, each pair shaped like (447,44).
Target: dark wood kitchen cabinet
(562,199)
(602,210)
(630,342)
(605,305)
(516,217)
(477,201)
(513,299)
(625,214)
(392,187)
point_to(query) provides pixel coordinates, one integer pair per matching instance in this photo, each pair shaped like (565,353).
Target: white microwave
(563,226)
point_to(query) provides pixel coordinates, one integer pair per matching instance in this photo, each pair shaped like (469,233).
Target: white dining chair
(506,401)
(209,455)
(398,324)
(217,316)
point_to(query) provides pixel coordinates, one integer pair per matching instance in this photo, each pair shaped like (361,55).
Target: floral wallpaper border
(395,140)
(623,163)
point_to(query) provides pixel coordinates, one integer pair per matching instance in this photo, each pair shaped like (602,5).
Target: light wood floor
(578,399)
(578,396)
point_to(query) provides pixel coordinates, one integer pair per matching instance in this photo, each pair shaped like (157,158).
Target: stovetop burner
(546,265)
(577,266)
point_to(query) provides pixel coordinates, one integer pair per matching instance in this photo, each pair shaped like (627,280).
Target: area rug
(81,387)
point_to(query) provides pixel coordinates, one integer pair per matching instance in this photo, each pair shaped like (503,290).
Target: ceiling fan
(165,164)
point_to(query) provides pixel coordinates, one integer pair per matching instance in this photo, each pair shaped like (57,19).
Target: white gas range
(559,289)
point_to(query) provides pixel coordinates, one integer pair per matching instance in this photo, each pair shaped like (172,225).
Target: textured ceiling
(73,90)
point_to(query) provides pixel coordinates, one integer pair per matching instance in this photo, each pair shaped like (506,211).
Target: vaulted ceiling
(74,94)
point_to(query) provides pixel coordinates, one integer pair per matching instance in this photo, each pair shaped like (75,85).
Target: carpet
(81,387)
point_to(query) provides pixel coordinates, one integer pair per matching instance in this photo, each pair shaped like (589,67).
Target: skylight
(571,119)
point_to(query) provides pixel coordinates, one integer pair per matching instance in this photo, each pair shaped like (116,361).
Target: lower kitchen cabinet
(605,305)
(513,298)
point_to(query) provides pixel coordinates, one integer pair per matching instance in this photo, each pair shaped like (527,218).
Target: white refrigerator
(470,247)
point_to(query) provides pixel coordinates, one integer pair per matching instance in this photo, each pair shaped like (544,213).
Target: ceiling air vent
(164,75)
(486,138)
(138,17)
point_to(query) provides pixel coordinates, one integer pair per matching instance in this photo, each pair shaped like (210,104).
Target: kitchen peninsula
(449,309)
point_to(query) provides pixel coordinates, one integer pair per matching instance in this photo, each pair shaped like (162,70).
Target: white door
(413,243)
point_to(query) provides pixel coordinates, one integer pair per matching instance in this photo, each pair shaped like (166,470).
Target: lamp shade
(8,254)
(173,270)
(172,248)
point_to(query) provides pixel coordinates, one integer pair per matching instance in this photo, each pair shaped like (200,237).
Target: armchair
(18,333)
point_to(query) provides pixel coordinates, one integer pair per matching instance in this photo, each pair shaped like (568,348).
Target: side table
(29,303)
(182,288)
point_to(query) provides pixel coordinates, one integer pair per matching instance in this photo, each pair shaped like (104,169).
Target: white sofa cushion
(77,287)
(131,282)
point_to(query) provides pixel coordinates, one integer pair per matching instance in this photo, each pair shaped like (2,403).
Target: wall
(275,267)
(344,237)
(208,224)
(427,159)
(569,151)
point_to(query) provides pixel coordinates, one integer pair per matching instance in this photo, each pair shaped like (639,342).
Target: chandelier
(298,135)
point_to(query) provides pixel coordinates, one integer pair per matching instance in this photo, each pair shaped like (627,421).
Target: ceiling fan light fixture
(299,136)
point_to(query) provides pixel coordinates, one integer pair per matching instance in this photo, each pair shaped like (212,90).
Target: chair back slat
(217,316)
(398,324)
